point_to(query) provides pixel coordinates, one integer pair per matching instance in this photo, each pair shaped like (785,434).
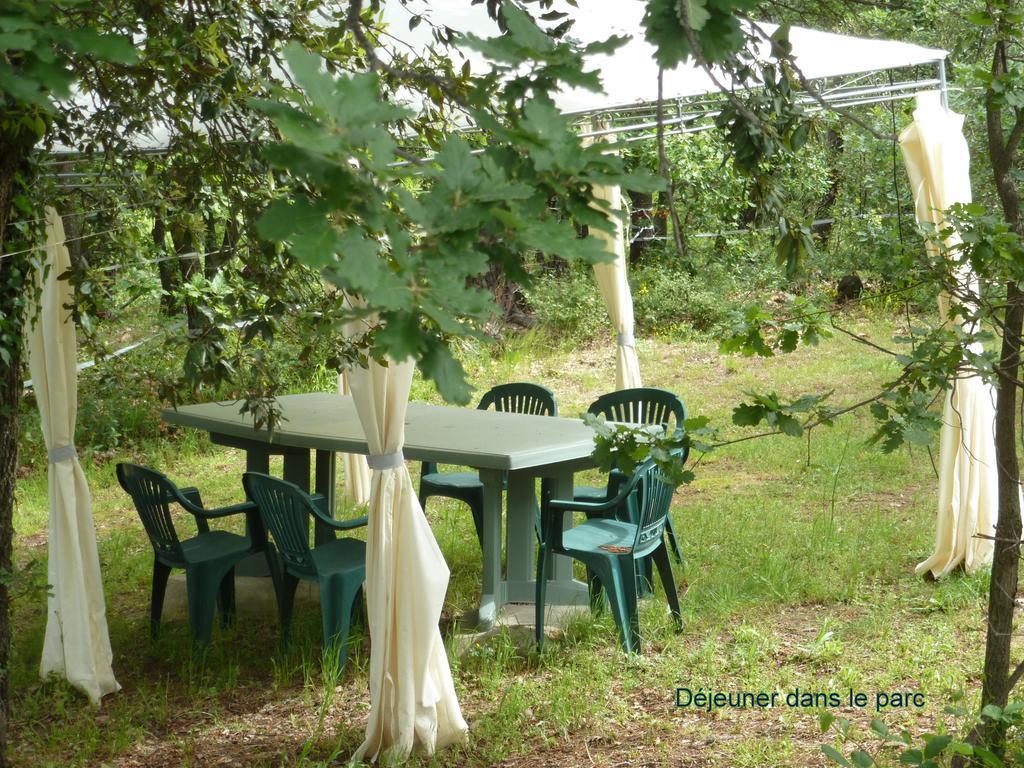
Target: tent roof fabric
(630,75)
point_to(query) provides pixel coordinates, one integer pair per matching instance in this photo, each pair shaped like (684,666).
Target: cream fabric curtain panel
(613,283)
(412,694)
(76,644)
(357,471)
(937,159)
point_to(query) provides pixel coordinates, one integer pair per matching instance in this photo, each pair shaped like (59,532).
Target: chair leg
(627,568)
(202,598)
(545,495)
(285,606)
(226,598)
(359,617)
(644,577)
(336,604)
(595,590)
(668,581)
(594,586)
(672,541)
(156,602)
(620,587)
(275,567)
(541,593)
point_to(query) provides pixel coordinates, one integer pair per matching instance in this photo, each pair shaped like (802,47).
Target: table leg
(296,470)
(561,488)
(562,588)
(323,479)
(491,597)
(296,467)
(521,508)
(256,460)
(521,586)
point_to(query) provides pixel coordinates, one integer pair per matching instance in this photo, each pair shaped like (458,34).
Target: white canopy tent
(841,65)
(838,64)
(76,645)
(937,159)
(413,702)
(412,694)
(356,472)
(614,286)
(844,68)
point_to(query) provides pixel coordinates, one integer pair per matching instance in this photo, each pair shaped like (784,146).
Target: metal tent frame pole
(943,88)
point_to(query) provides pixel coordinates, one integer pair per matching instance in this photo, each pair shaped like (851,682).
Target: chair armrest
(319,509)
(551,523)
(590,507)
(188,497)
(620,486)
(192,494)
(235,509)
(345,525)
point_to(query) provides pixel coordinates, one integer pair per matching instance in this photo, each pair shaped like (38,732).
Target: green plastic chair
(641,405)
(337,565)
(518,397)
(208,558)
(611,547)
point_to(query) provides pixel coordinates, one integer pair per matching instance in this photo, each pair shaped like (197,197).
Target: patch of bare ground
(900,501)
(255,725)
(33,542)
(695,740)
(656,733)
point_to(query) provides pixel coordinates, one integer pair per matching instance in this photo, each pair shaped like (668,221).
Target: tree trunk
(834,139)
(74,226)
(167,268)
(641,201)
(10,397)
(14,272)
(188,264)
(1005,562)
(1006,557)
(213,255)
(508,295)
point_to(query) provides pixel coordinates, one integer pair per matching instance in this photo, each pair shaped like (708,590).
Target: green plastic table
(495,443)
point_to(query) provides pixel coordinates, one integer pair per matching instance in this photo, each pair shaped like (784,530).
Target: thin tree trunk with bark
(834,139)
(188,263)
(641,201)
(10,398)
(166,268)
(1006,558)
(996,682)
(213,255)
(14,272)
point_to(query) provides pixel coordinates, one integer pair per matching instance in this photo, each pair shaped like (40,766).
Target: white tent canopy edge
(838,64)
(630,74)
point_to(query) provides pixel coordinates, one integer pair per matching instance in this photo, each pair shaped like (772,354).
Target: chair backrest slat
(151,492)
(652,500)
(642,405)
(520,397)
(285,512)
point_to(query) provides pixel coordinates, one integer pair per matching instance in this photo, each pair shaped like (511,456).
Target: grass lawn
(798,574)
